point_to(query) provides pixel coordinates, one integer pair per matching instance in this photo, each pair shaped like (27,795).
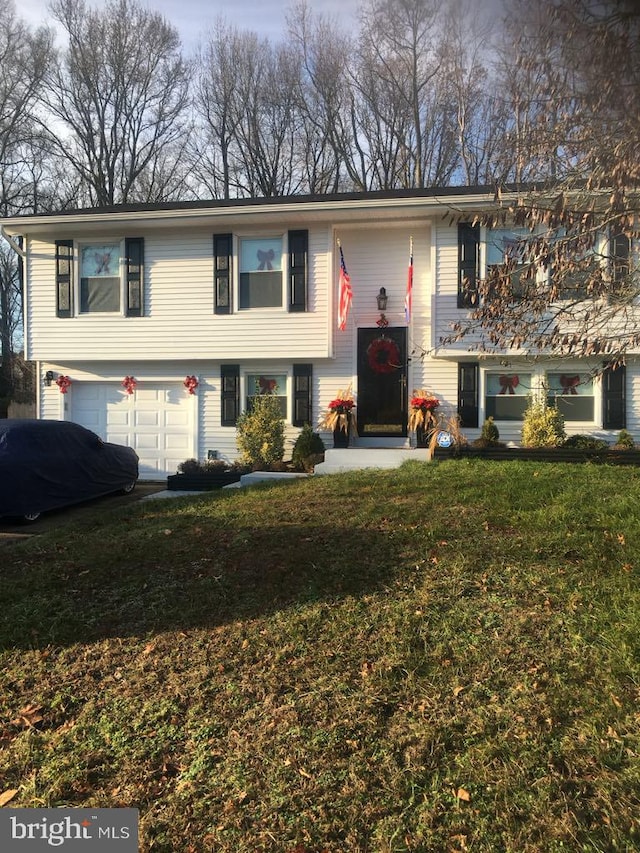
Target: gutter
(16,248)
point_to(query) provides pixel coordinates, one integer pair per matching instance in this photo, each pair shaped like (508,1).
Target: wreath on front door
(383,355)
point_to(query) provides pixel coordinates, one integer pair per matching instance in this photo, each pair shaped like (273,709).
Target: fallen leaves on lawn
(28,716)
(7,796)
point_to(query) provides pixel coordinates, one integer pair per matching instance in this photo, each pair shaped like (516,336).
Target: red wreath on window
(383,355)
(129,384)
(191,383)
(63,383)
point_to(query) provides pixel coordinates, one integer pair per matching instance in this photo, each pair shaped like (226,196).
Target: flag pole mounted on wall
(345,294)
(408,299)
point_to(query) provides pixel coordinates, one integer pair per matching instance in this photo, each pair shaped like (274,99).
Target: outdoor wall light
(49,377)
(382,299)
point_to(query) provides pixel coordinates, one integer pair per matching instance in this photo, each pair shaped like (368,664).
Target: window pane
(506,396)
(261,273)
(101,294)
(572,393)
(276,384)
(261,290)
(100,277)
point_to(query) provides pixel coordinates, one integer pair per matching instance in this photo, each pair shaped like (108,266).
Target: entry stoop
(354,458)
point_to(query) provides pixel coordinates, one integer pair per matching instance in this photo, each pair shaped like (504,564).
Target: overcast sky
(193,18)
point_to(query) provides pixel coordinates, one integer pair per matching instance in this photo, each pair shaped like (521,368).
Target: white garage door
(157,421)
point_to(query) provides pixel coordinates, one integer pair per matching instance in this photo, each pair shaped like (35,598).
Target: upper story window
(261,279)
(495,254)
(253,272)
(101,277)
(100,280)
(505,251)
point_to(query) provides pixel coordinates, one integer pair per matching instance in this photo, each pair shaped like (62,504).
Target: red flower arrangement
(422,408)
(339,412)
(191,383)
(129,384)
(383,355)
(424,403)
(63,383)
(341,405)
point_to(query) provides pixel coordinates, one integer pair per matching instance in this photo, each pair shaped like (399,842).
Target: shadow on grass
(125,578)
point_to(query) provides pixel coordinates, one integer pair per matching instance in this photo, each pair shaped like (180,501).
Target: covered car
(47,464)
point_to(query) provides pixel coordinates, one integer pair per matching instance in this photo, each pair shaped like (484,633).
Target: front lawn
(444,658)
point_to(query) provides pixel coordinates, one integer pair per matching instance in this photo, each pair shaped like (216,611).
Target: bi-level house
(154,325)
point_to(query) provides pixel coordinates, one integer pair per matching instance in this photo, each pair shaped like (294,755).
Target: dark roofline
(268,201)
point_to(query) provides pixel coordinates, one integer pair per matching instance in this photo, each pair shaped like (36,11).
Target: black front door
(382,382)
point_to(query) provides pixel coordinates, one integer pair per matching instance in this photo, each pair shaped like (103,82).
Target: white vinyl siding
(179,319)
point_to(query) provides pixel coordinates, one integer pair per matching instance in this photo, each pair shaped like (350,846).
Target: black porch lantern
(49,377)
(382,299)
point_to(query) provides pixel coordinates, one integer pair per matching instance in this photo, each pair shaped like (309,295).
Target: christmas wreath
(383,355)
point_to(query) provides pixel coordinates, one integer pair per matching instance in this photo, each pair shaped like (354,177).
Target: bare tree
(118,101)
(402,50)
(247,107)
(572,286)
(24,57)
(323,101)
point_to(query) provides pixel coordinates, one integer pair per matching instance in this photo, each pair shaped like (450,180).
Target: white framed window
(504,250)
(573,393)
(507,395)
(257,384)
(100,288)
(261,272)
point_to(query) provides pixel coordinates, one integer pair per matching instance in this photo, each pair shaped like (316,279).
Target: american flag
(345,293)
(408,299)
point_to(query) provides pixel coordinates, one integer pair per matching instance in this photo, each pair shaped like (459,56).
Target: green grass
(440,658)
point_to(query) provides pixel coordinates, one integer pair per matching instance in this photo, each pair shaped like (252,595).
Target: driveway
(50,520)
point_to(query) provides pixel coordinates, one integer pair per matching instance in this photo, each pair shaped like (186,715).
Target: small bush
(543,425)
(585,442)
(490,435)
(308,448)
(260,432)
(625,441)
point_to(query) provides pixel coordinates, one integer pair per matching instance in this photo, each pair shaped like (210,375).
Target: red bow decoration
(129,384)
(267,386)
(191,383)
(63,383)
(508,383)
(569,384)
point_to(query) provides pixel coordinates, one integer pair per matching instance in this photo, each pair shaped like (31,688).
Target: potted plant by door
(339,418)
(422,418)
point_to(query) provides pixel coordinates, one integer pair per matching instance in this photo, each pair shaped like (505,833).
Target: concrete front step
(354,458)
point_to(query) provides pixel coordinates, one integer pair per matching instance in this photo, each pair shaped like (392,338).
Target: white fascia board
(310,210)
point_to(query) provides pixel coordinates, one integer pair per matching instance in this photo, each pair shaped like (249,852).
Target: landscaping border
(610,456)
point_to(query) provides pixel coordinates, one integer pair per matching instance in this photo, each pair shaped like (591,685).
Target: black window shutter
(302,374)
(468,264)
(64,278)
(614,398)
(230,394)
(134,250)
(222,272)
(468,394)
(298,251)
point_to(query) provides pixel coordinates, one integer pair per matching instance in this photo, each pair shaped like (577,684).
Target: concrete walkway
(335,461)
